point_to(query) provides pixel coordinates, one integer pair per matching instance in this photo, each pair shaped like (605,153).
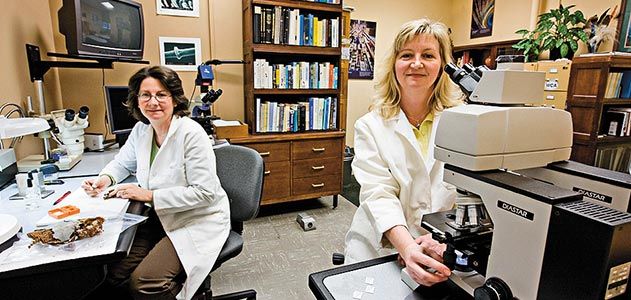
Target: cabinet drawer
(319,184)
(316,148)
(557,74)
(555,98)
(276,180)
(271,151)
(317,167)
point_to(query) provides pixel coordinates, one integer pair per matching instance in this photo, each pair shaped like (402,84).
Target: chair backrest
(240,170)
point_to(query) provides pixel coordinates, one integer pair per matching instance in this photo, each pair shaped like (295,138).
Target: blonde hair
(388,95)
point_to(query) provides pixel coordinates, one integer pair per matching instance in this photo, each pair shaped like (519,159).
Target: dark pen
(61,198)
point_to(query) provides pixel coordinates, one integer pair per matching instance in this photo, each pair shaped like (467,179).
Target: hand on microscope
(423,260)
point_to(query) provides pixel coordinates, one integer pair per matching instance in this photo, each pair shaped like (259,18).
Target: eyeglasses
(160,97)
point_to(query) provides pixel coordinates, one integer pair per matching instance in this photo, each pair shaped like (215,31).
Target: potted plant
(558,30)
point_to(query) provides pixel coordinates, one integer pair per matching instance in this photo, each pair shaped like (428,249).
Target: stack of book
(286,26)
(295,75)
(314,114)
(618,85)
(617,121)
(614,158)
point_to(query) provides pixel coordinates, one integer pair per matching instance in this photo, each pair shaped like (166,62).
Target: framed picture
(362,49)
(482,18)
(186,8)
(624,28)
(180,54)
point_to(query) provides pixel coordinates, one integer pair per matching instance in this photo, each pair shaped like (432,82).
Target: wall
(85,86)
(25,22)
(509,16)
(360,92)
(513,15)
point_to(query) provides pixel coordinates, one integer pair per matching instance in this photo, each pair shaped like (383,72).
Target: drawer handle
(317,185)
(318,149)
(267,172)
(317,168)
(264,153)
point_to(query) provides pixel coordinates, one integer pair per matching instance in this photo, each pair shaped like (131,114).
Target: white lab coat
(398,185)
(187,196)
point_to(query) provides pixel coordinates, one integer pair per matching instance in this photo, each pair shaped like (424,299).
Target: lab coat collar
(404,129)
(147,140)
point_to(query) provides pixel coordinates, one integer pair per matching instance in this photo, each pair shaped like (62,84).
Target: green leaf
(558,43)
(562,29)
(582,36)
(574,45)
(522,31)
(564,50)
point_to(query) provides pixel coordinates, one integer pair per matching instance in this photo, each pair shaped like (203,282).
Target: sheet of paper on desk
(21,256)
(90,207)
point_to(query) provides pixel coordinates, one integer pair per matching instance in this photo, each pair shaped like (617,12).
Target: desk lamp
(10,128)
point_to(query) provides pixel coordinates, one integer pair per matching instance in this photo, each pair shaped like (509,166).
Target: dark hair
(168,78)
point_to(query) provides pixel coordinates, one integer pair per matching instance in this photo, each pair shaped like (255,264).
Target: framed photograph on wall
(180,54)
(624,28)
(362,49)
(186,8)
(482,18)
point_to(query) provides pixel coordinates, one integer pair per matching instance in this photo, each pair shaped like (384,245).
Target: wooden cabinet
(588,104)
(299,166)
(295,96)
(484,54)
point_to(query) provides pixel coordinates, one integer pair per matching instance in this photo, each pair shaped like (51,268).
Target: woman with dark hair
(189,215)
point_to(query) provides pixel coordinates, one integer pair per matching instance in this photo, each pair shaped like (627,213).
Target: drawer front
(271,151)
(557,75)
(320,184)
(317,167)
(276,180)
(556,99)
(316,149)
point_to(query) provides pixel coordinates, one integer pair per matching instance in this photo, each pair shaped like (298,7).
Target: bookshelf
(593,93)
(294,104)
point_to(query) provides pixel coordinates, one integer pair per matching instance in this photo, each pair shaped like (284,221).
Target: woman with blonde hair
(394,164)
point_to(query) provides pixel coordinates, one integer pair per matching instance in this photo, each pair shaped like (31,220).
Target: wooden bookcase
(587,103)
(308,163)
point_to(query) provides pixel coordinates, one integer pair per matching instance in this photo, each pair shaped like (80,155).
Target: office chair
(240,170)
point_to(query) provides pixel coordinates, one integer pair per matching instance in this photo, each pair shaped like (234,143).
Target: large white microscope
(528,224)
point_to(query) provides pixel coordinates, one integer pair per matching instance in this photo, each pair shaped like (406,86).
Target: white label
(612,128)
(551,84)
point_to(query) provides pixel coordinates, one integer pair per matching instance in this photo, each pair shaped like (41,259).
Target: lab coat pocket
(176,172)
(204,236)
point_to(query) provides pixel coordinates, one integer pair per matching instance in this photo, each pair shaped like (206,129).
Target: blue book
(301,22)
(625,85)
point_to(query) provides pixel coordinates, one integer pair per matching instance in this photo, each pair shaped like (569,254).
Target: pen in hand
(61,198)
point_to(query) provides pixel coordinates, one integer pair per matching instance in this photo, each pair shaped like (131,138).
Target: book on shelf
(295,75)
(616,158)
(286,26)
(318,113)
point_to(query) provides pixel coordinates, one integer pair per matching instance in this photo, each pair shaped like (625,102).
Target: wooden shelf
(613,139)
(617,101)
(295,91)
(588,106)
(295,50)
(289,156)
(302,5)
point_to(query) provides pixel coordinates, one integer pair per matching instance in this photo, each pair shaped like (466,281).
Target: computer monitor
(120,120)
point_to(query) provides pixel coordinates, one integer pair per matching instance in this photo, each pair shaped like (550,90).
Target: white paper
(89,207)
(224,123)
(21,256)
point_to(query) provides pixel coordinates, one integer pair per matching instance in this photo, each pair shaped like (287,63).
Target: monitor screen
(110,24)
(117,114)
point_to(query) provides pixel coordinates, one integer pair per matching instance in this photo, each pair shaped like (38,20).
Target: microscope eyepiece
(83,112)
(69,115)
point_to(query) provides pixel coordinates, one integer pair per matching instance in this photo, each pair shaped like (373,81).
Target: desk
(71,279)
(341,282)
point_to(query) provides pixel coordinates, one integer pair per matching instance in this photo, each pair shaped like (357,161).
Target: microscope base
(32,162)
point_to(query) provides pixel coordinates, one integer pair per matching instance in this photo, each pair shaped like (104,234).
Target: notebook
(90,207)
